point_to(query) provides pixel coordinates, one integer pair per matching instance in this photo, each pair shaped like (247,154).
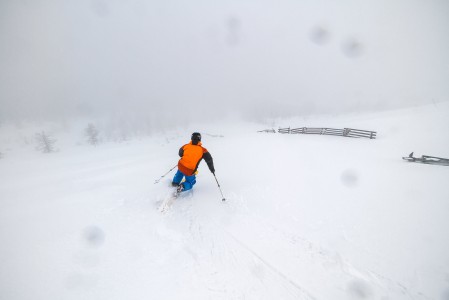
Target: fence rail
(268,131)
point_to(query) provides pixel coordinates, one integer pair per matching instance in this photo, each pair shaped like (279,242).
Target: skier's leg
(178,178)
(189,183)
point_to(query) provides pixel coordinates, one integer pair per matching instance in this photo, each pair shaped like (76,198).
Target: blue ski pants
(188,184)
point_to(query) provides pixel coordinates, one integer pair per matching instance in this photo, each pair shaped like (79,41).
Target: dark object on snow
(196,137)
(191,155)
(91,133)
(348,132)
(425,159)
(268,131)
(219,187)
(45,142)
(179,189)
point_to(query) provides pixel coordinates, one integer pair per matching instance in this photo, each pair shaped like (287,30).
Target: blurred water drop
(352,48)
(359,289)
(350,178)
(445,294)
(100,8)
(319,35)
(94,236)
(233,25)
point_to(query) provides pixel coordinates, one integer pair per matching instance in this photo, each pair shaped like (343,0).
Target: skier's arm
(210,163)
(181,151)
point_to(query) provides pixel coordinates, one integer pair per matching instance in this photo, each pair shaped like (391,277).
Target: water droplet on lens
(94,236)
(350,178)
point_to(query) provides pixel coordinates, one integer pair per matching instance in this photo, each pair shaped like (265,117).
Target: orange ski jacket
(191,156)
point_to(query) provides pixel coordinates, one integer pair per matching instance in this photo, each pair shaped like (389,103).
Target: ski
(426,159)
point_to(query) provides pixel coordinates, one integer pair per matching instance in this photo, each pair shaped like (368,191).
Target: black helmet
(196,137)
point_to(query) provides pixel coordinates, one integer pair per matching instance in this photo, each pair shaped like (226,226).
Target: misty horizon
(176,62)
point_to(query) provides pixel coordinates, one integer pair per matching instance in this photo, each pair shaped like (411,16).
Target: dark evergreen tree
(92,134)
(45,142)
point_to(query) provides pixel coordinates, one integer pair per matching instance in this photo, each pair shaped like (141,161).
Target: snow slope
(306,217)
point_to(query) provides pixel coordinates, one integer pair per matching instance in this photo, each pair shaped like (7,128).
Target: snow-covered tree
(92,134)
(45,142)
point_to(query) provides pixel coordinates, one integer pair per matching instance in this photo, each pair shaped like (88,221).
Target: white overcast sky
(200,58)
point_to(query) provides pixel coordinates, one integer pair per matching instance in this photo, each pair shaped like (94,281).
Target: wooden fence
(348,132)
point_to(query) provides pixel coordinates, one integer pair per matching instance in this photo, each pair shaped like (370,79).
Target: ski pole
(219,188)
(156,181)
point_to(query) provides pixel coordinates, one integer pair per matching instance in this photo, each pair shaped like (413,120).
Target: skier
(191,155)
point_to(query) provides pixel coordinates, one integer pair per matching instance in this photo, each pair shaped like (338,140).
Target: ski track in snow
(225,249)
(312,251)
(223,243)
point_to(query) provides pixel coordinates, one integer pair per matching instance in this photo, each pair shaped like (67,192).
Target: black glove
(212,170)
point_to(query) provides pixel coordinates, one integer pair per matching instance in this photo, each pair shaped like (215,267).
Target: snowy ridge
(306,217)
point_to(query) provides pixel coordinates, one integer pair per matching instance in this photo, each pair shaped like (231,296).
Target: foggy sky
(182,60)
